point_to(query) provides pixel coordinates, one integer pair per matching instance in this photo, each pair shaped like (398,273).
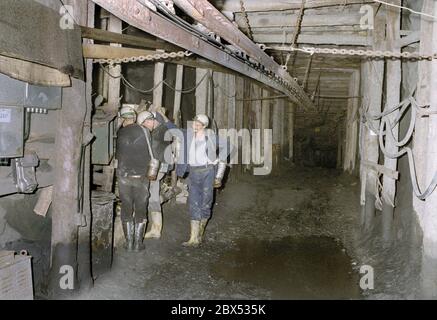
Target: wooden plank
(318,39)
(124,39)
(288,19)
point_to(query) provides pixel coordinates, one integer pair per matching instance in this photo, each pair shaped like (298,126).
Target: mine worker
(201,152)
(128,115)
(133,158)
(157,126)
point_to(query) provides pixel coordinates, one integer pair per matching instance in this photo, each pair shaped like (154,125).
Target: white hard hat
(145,115)
(127,112)
(203,119)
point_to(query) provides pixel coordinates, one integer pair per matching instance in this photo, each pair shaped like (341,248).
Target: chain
(366,53)
(150,57)
(246,18)
(298,24)
(297,28)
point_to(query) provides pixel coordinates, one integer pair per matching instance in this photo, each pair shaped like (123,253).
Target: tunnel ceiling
(325,23)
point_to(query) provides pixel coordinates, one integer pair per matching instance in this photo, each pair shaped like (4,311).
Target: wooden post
(429,220)
(257,124)
(202,91)
(291,120)
(277,132)
(84,248)
(68,144)
(158,78)
(177,109)
(114,25)
(231,101)
(265,117)
(219,99)
(393,98)
(113,96)
(239,116)
(178,95)
(350,156)
(372,87)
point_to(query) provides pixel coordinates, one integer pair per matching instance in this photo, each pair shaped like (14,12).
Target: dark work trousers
(201,192)
(134,196)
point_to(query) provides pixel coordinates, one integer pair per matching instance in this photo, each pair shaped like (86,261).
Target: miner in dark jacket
(158,127)
(133,158)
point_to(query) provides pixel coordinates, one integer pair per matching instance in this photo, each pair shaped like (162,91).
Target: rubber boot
(140,228)
(155,229)
(202,227)
(194,237)
(129,233)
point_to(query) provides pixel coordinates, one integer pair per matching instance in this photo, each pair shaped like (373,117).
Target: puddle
(292,268)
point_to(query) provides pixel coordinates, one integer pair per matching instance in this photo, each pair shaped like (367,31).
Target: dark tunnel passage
(218,150)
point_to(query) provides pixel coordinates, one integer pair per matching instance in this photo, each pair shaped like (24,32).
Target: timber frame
(141,17)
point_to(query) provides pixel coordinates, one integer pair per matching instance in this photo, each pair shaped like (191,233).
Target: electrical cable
(405,8)
(131,86)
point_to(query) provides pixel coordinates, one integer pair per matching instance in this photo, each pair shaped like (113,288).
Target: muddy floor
(282,237)
(291,236)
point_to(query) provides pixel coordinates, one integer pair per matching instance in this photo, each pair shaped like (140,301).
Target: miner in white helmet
(157,125)
(133,158)
(128,115)
(203,151)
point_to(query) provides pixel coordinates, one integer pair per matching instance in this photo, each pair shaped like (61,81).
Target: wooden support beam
(317,39)
(291,112)
(429,220)
(128,40)
(178,96)
(205,13)
(70,245)
(231,89)
(260,5)
(139,16)
(219,99)
(158,91)
(351,149)
(114,25)
(393,80)
(289,19)
(202,99)
(372,79)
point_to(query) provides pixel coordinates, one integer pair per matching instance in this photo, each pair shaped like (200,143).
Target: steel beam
(139,16)
(205,13)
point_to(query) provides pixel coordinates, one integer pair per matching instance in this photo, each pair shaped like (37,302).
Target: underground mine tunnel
(158,149)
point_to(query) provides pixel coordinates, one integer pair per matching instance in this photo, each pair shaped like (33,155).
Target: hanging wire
(405,8)
(147,91)
(187,90)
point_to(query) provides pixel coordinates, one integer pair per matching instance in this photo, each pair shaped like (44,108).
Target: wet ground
(291,268)
(286,237)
